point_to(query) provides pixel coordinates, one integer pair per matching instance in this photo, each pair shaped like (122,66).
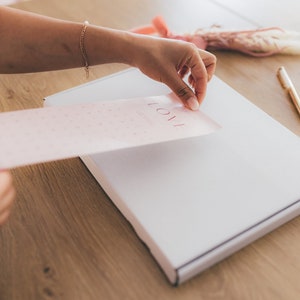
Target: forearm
(32,43)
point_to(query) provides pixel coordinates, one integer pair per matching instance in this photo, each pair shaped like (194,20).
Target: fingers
(201,66)
(183,91)
(198,75)
(7,195)
(209,61)
(169,61)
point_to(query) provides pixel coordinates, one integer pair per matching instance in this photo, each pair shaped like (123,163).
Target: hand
(168,61)
(7,195)
(162,59)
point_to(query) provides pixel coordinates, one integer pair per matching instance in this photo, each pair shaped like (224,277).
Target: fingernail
(193,103)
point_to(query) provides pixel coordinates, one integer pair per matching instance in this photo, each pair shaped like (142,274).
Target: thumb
(184,93)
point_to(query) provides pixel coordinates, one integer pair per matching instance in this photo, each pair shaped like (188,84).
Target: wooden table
(66,240)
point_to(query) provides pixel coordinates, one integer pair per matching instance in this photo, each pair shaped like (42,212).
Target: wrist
(104,45)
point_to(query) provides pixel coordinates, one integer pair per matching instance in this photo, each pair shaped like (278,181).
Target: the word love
(166,113)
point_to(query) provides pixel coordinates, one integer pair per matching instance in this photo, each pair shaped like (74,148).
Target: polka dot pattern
(52,133)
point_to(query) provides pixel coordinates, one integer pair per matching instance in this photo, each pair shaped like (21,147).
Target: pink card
(52,133)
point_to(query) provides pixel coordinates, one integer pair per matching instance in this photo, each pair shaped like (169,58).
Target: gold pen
(288,85)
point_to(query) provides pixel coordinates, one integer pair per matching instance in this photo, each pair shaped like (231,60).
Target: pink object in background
(258,42)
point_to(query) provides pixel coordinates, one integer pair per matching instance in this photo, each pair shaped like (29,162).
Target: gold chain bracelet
(82,48)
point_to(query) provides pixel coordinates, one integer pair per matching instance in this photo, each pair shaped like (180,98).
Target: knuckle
(183,92)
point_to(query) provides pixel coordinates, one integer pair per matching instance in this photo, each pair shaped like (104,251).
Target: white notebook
(194,202)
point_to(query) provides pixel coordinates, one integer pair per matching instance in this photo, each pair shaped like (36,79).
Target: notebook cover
(194,202)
